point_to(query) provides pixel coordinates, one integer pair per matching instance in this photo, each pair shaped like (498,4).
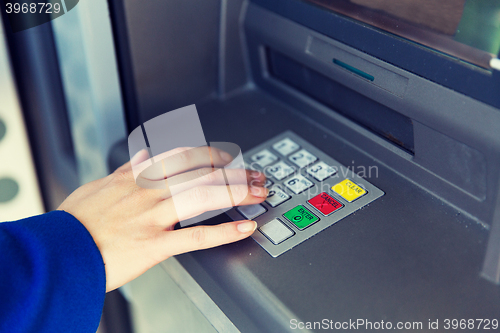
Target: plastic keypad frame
(307,185)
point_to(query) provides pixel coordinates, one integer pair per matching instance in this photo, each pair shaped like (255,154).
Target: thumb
(204,237)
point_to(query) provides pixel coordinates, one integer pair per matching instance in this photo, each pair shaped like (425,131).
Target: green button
(301,217)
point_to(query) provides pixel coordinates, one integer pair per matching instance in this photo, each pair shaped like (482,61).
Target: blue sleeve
(52,276)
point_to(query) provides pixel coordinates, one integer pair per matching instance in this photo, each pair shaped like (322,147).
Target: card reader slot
(373,74)
(353,70)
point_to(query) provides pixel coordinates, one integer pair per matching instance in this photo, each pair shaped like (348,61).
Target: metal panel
(437,67)
(460,118)
(174,46)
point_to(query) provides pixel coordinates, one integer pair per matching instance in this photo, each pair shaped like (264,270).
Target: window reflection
(466,29)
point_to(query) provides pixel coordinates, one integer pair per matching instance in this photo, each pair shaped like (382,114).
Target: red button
(325,203)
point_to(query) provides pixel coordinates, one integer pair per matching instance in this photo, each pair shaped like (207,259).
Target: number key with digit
(321,171)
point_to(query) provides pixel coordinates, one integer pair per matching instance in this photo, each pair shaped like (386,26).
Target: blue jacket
(52,276)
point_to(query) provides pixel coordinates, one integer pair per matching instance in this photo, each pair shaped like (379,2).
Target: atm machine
(384,119)
(401,100)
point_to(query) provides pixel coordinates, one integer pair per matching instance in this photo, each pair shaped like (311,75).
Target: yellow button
(348,190)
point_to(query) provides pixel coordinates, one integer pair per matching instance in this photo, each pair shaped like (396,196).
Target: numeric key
(285,146)
(298,184)
(321,171)
(264,158)
(280,170)
(302,158)
(276,196)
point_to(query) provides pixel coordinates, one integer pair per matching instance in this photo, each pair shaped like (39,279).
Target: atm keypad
(308,192)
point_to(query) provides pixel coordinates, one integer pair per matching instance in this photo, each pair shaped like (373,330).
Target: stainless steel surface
(316,188)
(197,295)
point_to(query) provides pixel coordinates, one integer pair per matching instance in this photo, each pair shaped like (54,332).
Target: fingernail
(256,183)
(258,192)
(139,157)
(247,226)
(255,174)
(226,157)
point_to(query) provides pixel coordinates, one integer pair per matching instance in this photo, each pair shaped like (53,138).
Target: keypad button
(251,211)
(298,184)
(280,170)
(325,204)
(301,217)
(268,183)
(276,196)
(349,190)
(264,158)
(321,171)
(285,146)
(302,158)
(276,231)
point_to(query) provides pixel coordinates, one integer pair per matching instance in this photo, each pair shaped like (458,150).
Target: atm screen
(467,30)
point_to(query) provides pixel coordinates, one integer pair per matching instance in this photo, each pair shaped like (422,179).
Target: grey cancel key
(276,231)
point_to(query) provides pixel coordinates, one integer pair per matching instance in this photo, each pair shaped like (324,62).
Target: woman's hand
(133,226)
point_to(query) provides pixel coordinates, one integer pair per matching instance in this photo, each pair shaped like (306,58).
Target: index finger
(186,160)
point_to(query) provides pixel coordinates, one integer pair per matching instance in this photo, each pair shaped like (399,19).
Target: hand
(133,226)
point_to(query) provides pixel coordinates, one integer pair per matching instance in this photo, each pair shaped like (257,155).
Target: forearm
(52,276)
